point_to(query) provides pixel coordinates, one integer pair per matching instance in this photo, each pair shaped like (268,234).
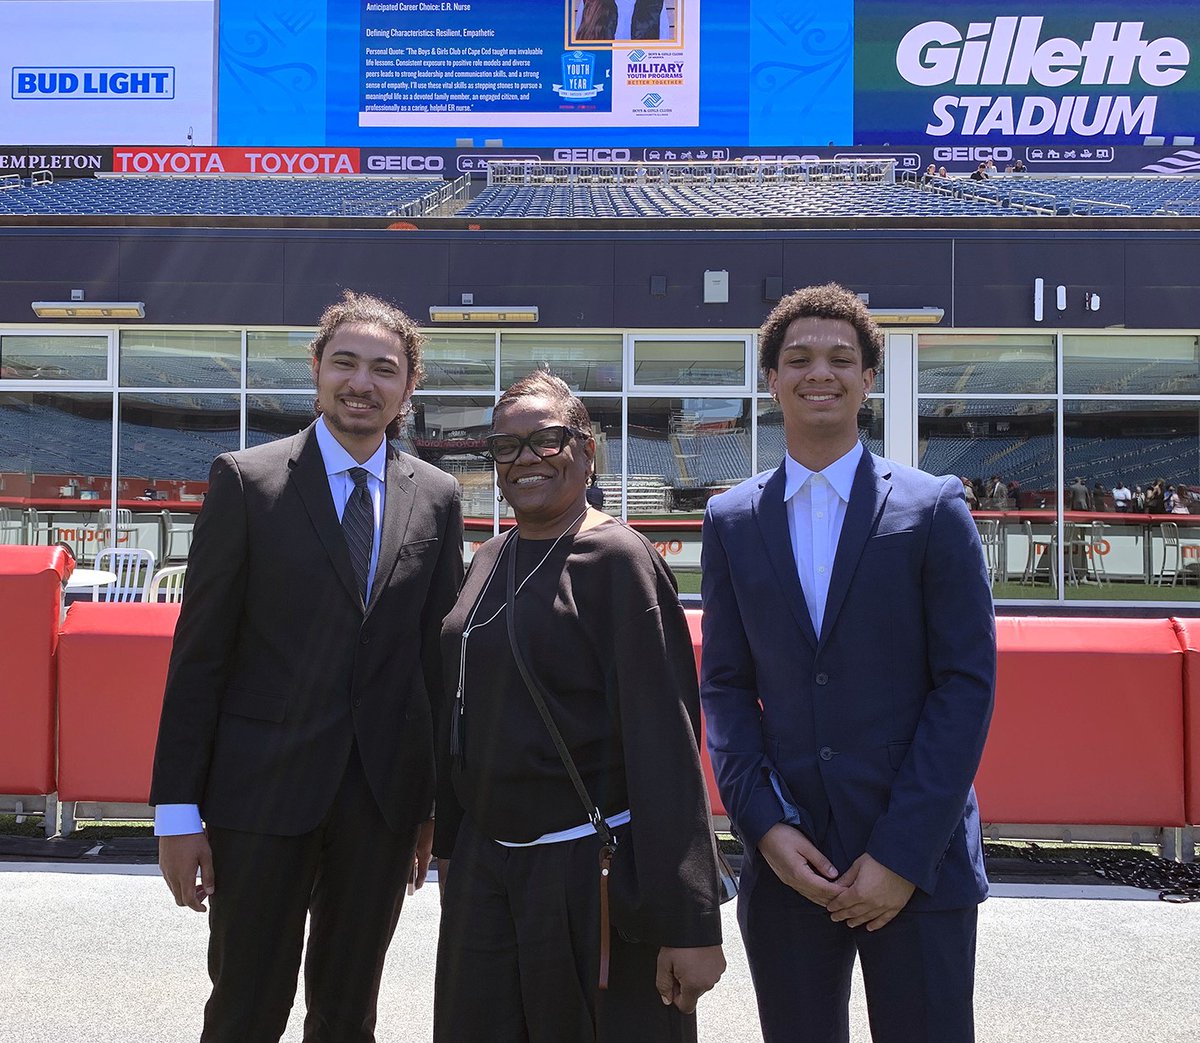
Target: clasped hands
(867,894)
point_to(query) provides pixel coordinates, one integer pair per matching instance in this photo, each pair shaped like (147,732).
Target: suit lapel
(872,483)
(399,495)
(309,477)
(771,512)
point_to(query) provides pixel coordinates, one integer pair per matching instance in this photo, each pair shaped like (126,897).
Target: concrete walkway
(100,953)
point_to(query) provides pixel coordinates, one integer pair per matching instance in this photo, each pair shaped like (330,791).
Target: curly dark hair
(361,309)
(830,301)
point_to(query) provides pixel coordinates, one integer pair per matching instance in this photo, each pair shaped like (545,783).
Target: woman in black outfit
(599,624)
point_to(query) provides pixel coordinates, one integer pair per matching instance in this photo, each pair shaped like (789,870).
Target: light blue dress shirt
(176,819)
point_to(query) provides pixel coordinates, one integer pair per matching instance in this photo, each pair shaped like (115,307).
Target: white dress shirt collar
(839,474)
(338,460)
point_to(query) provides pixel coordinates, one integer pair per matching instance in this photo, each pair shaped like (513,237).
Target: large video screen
(597,74)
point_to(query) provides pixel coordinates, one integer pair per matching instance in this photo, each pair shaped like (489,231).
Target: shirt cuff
(791,814)
(172,820)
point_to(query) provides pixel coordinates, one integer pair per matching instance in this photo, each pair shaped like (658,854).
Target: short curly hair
(361,309)
(541,383)
(830,301)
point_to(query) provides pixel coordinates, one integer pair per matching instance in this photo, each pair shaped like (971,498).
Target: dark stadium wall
(1145,280)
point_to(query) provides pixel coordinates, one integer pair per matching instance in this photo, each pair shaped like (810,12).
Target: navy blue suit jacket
(873,730)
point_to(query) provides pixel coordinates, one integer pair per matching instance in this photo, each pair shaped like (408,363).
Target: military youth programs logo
(578,77)
(653,69)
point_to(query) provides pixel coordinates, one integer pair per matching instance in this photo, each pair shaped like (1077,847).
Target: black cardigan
(601,626)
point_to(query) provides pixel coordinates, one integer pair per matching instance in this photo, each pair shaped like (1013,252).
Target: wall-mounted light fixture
(89,309)
(1039,299)
(908,316)
(496,313)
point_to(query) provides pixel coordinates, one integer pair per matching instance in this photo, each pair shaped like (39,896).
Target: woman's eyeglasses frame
(566,433)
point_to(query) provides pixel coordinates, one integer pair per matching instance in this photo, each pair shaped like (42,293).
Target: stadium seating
(226,196)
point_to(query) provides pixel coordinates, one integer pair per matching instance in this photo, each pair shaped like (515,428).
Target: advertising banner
(1051,72)
(226,160)
(61,161)
(119,71)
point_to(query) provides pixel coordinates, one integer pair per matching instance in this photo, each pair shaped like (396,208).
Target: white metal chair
(1040,549)
(134,567)
(102,535)
(1172,559)
(989,536)
(12,525)
(1099,546)
(169,533)
(167,585)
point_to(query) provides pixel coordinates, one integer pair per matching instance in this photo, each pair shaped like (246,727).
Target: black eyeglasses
(548,441)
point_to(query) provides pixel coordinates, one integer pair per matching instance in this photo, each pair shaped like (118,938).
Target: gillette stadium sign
(1003,77)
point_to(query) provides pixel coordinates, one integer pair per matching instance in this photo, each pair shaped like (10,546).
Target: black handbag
(726,878)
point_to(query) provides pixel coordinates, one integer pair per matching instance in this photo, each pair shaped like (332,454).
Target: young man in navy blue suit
(847,679)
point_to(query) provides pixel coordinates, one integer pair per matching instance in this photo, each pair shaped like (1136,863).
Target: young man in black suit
(294,768)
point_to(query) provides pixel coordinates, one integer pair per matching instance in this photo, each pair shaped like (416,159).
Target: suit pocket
(417,547)
(891,538)
(260,706)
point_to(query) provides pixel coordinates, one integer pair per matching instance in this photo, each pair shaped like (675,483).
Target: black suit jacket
(278,667)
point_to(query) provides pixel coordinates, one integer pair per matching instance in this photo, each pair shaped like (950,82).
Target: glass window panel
(983,363)
(269,417)
(33,357)
(1146,550)
(55,465)
(657,363)
(449,431)
(181,358)
(1006,451)
(1131,365)
(586,361)
(772,445)
(278,359)
(455,361)
(165,447)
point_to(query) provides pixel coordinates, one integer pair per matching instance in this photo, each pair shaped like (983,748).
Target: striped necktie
(358,524)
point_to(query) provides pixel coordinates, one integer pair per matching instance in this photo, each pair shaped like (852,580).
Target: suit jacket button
(357,703)
(365,639)
(822,678)
(825,753)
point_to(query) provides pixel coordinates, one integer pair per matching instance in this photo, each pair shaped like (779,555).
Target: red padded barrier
(1189,639)
(1088,726)
(693,618)
(31,580)
(112,669)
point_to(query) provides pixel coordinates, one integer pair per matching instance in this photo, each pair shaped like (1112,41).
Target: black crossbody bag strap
(538,692)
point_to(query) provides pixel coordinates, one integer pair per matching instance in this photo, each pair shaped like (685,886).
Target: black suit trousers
(349,875)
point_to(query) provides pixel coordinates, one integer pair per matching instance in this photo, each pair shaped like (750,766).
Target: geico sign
(972,153)
(1010,51)
(402,163)
(591,155)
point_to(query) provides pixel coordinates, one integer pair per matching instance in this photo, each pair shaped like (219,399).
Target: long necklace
(460,705)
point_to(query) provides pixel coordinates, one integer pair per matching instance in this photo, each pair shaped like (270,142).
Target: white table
(83,578)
